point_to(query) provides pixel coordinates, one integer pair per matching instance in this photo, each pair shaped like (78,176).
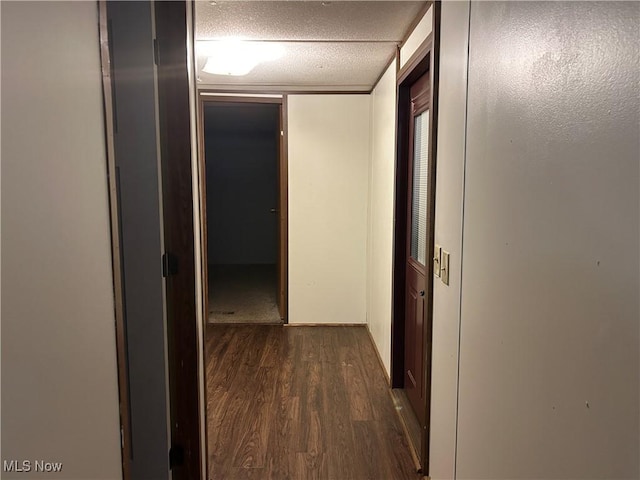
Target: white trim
(195,188)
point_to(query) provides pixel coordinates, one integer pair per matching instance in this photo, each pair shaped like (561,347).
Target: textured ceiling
(308,64)
(341,45)
(306,20)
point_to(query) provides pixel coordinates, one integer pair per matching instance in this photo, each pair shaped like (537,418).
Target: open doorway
(244,189)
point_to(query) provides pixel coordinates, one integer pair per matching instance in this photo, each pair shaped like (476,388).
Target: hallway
(300,403)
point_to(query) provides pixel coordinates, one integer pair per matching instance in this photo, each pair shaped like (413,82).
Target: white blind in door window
(419,188)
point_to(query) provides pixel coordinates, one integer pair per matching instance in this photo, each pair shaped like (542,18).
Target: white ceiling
(337,45)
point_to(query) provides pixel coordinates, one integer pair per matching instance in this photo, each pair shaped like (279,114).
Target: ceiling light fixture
(237,57)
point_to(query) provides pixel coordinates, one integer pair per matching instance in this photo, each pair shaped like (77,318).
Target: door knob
(422,293)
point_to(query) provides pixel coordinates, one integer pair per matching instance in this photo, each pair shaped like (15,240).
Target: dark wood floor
(300,403)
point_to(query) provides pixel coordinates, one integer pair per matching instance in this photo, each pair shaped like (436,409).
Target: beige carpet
(243,294)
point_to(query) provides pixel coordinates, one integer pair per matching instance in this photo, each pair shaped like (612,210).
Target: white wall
(381,202)
(417,36)
(549,334)
(59,385)
(448,234)
(328,137)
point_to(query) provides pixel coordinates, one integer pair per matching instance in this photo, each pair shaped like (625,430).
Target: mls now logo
(29,466)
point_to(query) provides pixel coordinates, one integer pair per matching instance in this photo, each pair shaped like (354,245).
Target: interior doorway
(416,238)
(243,175)
(414,235)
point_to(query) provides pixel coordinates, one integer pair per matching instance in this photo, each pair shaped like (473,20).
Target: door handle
(422,293)
(273,210)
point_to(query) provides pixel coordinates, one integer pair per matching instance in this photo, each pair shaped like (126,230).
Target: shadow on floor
(243,294)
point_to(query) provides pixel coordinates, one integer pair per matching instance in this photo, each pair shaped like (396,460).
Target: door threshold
(410,423)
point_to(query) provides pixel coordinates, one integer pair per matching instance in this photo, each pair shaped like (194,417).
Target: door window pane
(419,189)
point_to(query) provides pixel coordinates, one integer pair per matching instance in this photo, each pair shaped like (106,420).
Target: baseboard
(405,429)
(375,348)
(403,405)
(244,324)
(325,325)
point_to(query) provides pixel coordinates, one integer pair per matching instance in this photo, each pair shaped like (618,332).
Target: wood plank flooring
(300,403)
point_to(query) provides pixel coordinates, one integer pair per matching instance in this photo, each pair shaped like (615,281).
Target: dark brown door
(417,241)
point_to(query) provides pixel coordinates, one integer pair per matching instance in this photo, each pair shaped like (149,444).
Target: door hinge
(176,456)
(155,51)
(169,264)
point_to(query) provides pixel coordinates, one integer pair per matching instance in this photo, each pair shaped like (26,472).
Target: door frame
(215,96)
(172,40)
(425,59)
(124,404)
